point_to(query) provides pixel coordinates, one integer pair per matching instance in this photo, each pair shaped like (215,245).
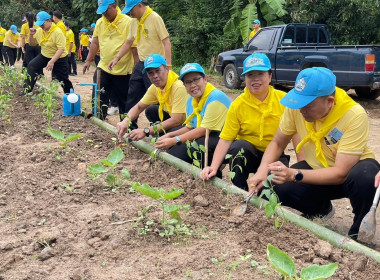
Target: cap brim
(153,65)
(255,68)
(101,10)
(293,100)
(39,22)
(188,72)
(127,9)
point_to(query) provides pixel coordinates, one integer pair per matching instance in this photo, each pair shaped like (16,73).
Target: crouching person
(164,101)
(338,162)
(206,108)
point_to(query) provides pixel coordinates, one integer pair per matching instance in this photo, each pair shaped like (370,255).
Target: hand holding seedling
(255,183)
(137,134)
(281,173)
(208,172)
(165,143)
(122,128)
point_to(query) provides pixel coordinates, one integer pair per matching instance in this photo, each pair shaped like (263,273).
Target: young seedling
(56,134)
(280,261)
(171,225)
(197,154)
(108,166)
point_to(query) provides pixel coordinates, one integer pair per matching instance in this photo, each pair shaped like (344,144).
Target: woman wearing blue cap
(53,54)
(251,123)
(84,43)
(12,42)
(205,109)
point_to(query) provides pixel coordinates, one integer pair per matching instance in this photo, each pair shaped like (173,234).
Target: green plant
(196,155)
(108,165)
(56,134)
(280,261)
(67,187)
(171,225)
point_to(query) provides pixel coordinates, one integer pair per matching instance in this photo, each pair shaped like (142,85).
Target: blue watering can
(71,104)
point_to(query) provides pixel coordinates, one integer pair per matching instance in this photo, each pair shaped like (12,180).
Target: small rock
(323,249)
(360,261)
(318,261)
(46,253)
(81,166)
(50,236)
(115,216)
(201,201)
(27,250)
(348,207)
(92,241)
(6,246)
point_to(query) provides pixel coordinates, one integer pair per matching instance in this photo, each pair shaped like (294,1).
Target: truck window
(323,36)
(263,39)
(301,35)
(312,35)
(288,38)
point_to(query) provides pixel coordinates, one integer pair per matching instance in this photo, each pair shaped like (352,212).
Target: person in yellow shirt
(12,42)
(29,51)
(205,109)
(57,18)
(110,33)
(338,162)
(84,43)
(71,48)
(251,123)
(164,101)
(53,54)
(2,36)
(148,33)
(97,56)
(256,27)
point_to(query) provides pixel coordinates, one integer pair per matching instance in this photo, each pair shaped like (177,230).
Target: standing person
(84,43)
(29,51)
(256,27)
(57,18)
(338,162)
(2,36)
(205,109)
(251,123)
(71,48)
(164,101)
(12,42)
(148,31)
(110,33)
(53,54)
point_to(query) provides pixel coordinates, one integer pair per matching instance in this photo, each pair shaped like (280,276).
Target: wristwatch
(178,140)
(298,177)
(147,131)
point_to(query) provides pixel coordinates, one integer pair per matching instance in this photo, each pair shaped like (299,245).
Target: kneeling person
(206,108)
(164,101)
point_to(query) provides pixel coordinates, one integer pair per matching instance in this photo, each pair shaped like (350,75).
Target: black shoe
(72,74)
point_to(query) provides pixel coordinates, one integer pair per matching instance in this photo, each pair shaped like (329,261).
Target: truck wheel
(231,78)
(365,92)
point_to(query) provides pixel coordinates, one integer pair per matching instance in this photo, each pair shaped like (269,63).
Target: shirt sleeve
(287,122)
(231,126)
(150,97)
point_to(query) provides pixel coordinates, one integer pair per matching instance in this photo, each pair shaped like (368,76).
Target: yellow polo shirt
(26,31)
(2,34)
(253,33)
(156,30)
(70,39)
(110,42)
(84,40)
(14,38)
(349,136)
(243,121)
(55,42)
(177,98)
(62,26)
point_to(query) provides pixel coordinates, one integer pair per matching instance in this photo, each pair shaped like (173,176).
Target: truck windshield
(263,39)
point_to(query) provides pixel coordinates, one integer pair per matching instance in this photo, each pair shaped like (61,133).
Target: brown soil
(50,232)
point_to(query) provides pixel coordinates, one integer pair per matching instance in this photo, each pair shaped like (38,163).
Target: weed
(67,187)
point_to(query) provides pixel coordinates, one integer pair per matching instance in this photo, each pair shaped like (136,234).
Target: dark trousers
(60,72)
(117,86)
(96,60)
(314,200)
(151,113)
(72,63)
(1,52)
(10,55)
(19,54)
(84,53)
(253,158)
(138,85)
(30,53)
(180,151)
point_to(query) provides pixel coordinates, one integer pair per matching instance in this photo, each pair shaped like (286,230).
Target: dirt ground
(59,223)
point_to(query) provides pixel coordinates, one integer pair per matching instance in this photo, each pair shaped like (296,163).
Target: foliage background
(200,29)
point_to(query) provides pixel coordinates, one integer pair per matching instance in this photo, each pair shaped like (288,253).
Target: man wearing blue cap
(149,34)
(164,101)
(256,27)
(84,42)
(53,54)
(12,42)
(110,33)
(205,109)
(338,162)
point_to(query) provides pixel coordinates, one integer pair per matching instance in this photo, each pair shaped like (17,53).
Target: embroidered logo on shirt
(301,84)
(254,61)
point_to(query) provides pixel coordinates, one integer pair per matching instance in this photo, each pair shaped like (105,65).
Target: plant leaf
(125,173)
(146,190)
(73,136)
(232,175)
(315,272)
(267,193)
(280,261)
(195,145)
(56,134)
(110,179)
(197,164)
(269,210)
(97,169)
(115,156)
(202,148)
(248,14)
(173,193)
(273,200)
(227,156)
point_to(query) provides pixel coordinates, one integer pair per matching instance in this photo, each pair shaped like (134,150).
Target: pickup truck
(294,47)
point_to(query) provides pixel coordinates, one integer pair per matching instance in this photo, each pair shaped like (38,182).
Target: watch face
(146,131)
(298,177)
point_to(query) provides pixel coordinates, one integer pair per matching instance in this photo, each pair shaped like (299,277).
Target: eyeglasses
(195,81)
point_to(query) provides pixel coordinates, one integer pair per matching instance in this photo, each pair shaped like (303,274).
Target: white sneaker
(113,110)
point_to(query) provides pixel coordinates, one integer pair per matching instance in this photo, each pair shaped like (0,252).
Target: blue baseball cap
(256,21)
(310,84)
(14,29)
(256,61)
(42,17)
(93,25)
(154,61)
(129,5)
(190,68)
(103,6)
(83,30)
